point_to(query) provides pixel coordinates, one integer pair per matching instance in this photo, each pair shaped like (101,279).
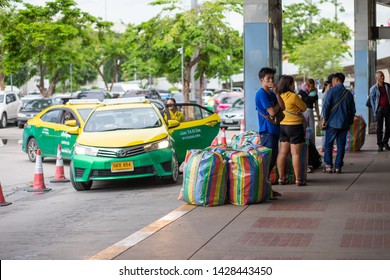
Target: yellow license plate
(122,166)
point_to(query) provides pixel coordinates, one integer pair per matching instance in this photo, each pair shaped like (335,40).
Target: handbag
(276,119)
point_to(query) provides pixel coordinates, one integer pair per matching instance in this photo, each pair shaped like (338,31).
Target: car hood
(30,110)
(122,138)
(232,111)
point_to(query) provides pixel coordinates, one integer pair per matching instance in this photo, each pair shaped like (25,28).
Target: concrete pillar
(365,54)
(262,48)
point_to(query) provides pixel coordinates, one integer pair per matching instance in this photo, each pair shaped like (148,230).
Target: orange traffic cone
(242,126)
(59,176)
(39,180)
(223,137)
(2,200)
(215,142)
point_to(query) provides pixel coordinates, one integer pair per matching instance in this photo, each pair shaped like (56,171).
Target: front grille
(79,172)
(127,152)
(107,172)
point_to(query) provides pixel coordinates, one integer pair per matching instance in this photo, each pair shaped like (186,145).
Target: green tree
(304,31)
(203,33)
(45,36)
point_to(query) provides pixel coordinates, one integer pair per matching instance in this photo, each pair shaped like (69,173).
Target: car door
(198,130)
(66,135)
(11,105)
(46,132)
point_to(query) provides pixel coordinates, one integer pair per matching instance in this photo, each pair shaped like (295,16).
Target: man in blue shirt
(268,102)
(338,112)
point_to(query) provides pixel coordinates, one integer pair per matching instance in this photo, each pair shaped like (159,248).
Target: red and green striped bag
(204,178)
(356,135)
(248,175)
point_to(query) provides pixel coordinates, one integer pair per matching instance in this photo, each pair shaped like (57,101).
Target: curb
(138,236)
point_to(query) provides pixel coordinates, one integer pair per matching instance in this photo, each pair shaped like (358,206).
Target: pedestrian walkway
(336,216)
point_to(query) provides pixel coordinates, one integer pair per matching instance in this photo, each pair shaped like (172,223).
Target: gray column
(365,54)
(262,48)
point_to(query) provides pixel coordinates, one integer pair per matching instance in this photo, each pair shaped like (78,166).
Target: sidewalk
(336,216)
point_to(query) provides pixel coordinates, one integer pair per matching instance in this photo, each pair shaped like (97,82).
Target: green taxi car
(56,125)
(133,140)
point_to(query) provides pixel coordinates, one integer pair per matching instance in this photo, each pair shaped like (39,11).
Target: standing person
(292,134)
(325,89)
(268,103)
(310,97)
(338,112)
(379,99)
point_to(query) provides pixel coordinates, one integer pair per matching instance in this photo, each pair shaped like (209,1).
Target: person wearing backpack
(380,104)
(338,112)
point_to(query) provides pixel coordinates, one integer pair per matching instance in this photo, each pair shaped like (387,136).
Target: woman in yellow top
(292,134)
(173,112)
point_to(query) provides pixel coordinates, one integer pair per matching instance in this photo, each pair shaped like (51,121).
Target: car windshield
(91,95)
(238,103)
(1,98)
(84,113)
(229,99)
(122,119)
(37,105)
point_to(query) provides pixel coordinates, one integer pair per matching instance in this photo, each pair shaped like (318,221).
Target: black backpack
(314,156)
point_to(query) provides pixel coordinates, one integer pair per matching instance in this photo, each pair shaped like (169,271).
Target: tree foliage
(315,44)
(44,36)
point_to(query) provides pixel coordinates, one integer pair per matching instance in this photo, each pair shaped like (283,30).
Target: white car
(10,105)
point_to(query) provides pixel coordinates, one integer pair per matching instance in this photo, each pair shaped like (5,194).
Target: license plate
(122,166)
(228,121)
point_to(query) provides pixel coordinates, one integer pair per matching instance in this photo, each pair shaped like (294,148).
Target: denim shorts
(294,134)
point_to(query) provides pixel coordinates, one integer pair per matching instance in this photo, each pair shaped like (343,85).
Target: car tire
(175,171)
(79,186)
(31,149)
(3,121)
(20,125)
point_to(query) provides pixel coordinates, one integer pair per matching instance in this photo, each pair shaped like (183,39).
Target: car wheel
(175,171)
(79,186)
(32,147)
(3,121)
(20,125)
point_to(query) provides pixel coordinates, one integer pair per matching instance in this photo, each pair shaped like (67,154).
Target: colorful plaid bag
(356,135)
(248,175)
(204,178)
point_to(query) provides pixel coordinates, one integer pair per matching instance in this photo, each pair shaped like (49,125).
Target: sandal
(327,170)
(282,181)
(300,183)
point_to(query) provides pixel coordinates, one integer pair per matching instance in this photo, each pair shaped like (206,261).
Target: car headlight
(21,115)
(157,145)
(84,150)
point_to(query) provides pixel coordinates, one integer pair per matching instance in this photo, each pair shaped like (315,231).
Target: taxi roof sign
(127,100)
(83,101)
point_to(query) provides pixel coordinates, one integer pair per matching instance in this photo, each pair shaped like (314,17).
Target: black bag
(314,156)
(368,102)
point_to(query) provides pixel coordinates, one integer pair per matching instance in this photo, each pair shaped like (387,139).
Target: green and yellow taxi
(124,139)
(55,125)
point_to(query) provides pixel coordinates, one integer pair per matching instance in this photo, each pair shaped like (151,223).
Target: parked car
(55,125)
(98,94)
(226,100)
(32,108)
(147,93)
(30,96)
(233,116)
(10,105)
(132,140)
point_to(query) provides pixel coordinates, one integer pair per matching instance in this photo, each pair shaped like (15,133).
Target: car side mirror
(173,124)
(72,123)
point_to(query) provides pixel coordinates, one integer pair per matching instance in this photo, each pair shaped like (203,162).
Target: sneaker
(387,147)
(309,169)
(380,149)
